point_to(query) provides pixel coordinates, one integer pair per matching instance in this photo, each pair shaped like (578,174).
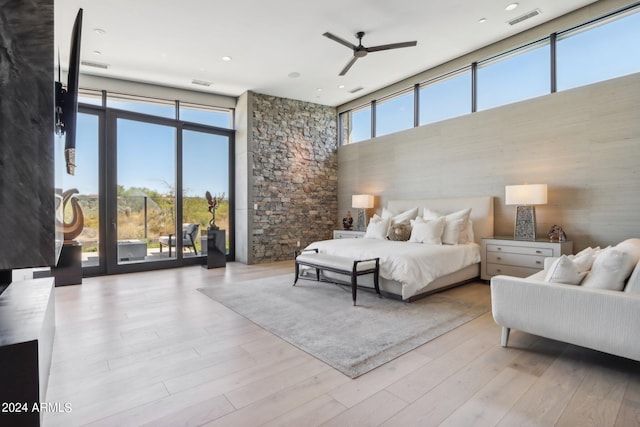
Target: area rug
(320,319)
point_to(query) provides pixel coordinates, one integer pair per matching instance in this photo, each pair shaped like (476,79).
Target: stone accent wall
(294,178)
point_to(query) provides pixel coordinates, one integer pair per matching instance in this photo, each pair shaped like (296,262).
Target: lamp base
(362,221)
(525,225)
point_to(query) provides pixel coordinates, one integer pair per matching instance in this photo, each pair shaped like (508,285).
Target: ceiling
(172,43)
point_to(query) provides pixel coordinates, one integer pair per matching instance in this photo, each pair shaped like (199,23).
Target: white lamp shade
(528,194)
(362,201)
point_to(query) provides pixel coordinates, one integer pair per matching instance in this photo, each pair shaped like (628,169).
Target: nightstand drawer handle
(538,252)
(499,258)
(538,262)
(498,270)
(499,248)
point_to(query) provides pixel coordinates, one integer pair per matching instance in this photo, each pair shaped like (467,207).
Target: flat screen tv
(67,99)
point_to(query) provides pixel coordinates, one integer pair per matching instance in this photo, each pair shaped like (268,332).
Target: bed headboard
(481,210)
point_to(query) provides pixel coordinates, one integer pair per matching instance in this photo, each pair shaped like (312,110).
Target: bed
(408,270)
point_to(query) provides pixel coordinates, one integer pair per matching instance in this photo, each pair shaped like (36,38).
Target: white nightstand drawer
(544,252)
(520,260)
(509,270)
(348,234)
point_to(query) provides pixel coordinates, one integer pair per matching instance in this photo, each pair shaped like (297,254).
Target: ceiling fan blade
(346,67)
(339,40)
(391,46)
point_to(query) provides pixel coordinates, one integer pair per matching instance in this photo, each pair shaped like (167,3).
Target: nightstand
(519,258)
(348,234)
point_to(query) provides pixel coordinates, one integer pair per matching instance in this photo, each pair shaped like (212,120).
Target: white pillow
(470,235)
(609,270)
(456,223)
(427,231)
(584,259)
(564,270)
(633,284)
(632,247)
(377,228)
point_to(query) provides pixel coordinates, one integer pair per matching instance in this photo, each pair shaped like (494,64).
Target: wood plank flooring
(148,349)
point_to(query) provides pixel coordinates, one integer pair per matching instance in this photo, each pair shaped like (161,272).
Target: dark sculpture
(557,234)
(214,203)
(347,222)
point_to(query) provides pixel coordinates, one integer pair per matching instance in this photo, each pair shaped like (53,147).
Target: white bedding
(414,265)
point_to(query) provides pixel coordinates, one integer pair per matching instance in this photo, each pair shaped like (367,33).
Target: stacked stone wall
(294,175)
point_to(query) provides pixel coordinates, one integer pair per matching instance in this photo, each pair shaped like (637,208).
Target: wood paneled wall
(584,143)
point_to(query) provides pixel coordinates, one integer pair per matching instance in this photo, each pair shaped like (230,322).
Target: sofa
(591,299)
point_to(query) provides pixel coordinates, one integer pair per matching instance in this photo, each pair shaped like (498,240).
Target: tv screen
(67,100)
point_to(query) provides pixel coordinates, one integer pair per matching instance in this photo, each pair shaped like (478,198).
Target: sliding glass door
(158,172)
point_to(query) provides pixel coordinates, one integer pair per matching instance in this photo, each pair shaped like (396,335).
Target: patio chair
(189,236)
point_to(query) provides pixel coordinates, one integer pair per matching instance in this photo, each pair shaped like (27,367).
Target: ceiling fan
(361,51)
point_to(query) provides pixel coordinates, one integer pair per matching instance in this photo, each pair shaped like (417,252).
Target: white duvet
(413,264)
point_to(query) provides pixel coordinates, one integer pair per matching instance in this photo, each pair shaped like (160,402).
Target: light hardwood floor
(147,349)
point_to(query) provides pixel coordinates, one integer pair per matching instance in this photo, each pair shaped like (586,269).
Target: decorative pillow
(584,259)
(456,223)
(470,235)
(633,284)
(610,268)
(632,247)
(400,232)
(377,228)
(399,218)
(565,270)
(428,231)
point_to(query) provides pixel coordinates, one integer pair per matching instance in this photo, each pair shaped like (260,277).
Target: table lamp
(362,202)
(524,197)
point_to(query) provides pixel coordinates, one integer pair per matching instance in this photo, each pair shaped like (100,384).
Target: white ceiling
(173,42)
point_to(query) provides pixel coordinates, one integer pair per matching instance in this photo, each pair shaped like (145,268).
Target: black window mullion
(373,119)
(474,87)
(416,105)
(552,49)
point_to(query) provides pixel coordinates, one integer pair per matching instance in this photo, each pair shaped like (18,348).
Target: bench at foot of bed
(338,264)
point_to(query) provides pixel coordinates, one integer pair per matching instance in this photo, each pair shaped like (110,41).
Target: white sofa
(600,319)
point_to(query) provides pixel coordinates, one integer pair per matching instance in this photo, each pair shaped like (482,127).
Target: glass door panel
(85,186)
(205,167)
(146,192)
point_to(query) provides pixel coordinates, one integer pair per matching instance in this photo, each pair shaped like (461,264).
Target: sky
(146,154)
(599,53)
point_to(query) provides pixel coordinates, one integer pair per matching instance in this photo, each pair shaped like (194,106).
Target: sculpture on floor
(73,228)
(214,204)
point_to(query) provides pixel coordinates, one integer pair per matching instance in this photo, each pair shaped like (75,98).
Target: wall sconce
(524,197)
(362,202)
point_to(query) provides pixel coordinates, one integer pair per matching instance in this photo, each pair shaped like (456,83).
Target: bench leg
(297,270)
(376,283)
(318,274)
(354,286)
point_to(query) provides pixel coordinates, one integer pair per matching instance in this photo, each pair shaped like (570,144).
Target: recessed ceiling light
(511,6)
(294,75)
(99,31)
(226,58)
(340,86)
(482,20)
(319,89)
(97,52)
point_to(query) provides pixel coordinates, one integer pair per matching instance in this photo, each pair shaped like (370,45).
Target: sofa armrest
(600,319)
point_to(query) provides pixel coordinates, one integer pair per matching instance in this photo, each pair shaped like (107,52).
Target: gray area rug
(320,319)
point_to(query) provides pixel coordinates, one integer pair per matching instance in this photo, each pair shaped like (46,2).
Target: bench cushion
(333,261)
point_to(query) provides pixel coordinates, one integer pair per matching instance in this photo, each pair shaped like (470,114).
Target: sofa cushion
(610,269)
(565,270)
(633,284)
